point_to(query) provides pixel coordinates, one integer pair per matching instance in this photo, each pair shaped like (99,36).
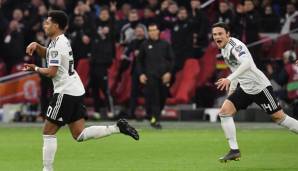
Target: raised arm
(36,47)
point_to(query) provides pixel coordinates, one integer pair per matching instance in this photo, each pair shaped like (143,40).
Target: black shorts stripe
(270,98)
(57,106)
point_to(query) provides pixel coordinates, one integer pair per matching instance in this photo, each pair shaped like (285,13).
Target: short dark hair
(222,25)
(182,8)
(105,8)
(152,25)
(59,17)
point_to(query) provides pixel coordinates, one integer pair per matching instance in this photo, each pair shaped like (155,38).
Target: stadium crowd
(98,28)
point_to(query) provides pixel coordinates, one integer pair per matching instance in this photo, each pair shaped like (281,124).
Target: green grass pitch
(182,148)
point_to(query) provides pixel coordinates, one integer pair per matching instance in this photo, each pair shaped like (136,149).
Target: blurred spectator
(285,79)
(94,8)
(17,15)
(13,45)
(270,21)
(149,17)
(182,39)
(102,55)
(81,8)
(61,5)
(121,17)
(291,73)
(127,31)
(3,28)
(124,12)
(153,5)
(169,16)
(250,28)
(164,6)
(200,28)
(166,18)
(226,15)
(35,15)
(290,20)
(130,55)
(250,22)
(155,62)
(80,37)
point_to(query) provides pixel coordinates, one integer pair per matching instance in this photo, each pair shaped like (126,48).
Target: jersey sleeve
(242,55)
(54,57)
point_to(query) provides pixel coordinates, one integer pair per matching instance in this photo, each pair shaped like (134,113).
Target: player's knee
(227,109)
(49,132)
(278,116)
(225,112)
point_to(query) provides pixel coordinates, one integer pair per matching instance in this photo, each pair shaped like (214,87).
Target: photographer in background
(284,78)
(291,72)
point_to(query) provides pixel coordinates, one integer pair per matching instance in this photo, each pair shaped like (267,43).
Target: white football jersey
(66,81)
(253,80)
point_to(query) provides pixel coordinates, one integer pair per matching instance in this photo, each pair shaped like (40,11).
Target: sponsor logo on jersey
(54,61)
(54,53)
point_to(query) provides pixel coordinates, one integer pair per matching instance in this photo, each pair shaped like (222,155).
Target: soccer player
(66,105)
(246,84)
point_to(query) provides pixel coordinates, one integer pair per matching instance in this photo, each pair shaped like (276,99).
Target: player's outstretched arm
(48,72)
(36,47)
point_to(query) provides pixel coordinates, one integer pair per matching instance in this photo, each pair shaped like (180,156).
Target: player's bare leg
(285,121)
(80,133)
(49,145)
(227,123)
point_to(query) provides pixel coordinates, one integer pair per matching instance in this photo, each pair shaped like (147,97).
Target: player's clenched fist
(31,48)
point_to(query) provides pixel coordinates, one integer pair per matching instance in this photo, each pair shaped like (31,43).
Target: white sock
(290,123)
(228,126)
(97,132)
(49,150)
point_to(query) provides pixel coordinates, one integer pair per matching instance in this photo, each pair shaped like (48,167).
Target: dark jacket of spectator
(14,47)
(166,20)
(182,41)
(200,30)
(103,44)
(228,17)
(269,21)
(251,26)
(80,32)
(155,58)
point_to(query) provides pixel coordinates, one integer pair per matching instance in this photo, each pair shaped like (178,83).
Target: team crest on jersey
(238,48)
(54,54)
